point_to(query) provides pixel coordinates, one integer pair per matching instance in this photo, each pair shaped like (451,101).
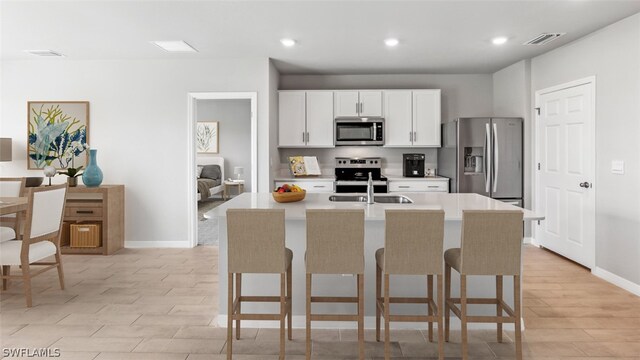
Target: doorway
(565,170)
(233,116)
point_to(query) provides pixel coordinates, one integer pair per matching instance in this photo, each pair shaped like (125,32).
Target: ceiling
(333,37)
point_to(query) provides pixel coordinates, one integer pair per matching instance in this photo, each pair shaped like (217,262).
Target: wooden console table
(102,205)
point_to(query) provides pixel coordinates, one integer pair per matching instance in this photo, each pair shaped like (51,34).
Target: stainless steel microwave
(359,131)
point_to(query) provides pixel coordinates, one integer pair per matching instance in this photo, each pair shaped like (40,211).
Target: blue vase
(92,176)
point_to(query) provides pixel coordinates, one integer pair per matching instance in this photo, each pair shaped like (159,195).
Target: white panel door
(371,103)
(426,118)
(346,103)
(320,118)
(565,153)
(398,118)
(291,118)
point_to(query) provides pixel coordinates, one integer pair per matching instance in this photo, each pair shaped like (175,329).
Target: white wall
(234,134)
(512,98)
(613,56)
(462,95)
(138,124)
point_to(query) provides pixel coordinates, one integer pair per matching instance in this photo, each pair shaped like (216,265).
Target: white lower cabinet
(418,185)
(310,186)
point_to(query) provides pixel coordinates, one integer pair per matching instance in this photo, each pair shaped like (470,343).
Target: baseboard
(531,241)
(617,280)
(156,244)
(299,322)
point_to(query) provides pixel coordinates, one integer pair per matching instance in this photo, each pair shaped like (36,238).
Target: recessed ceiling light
(391,42)
(44,53)
(174,46)
(288,42)
(499,40)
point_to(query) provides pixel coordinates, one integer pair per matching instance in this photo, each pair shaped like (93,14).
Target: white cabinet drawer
(419,186)
(310,186)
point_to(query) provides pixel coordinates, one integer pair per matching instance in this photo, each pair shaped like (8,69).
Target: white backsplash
(391,157)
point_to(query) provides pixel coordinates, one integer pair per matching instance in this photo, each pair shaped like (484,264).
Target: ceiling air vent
(543,39)
(43,52)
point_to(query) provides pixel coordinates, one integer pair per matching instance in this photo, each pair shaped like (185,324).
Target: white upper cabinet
(346,103)
(291,119)
(305,118)
(358,103)
(398,118)
(412,118)
(426,118)
(371,103)
(320,118)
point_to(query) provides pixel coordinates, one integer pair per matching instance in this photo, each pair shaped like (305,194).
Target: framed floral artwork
(207,140)
(57,134)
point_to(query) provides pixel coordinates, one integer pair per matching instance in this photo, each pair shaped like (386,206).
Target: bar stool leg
(361,315)
(290,300)
(463,315)
(229,316)
(447,297)
(283,312)
(308,348)
(6,271)
(498,306)
(378,296)
(518,314)
(238,295)
(439,315)
(387,336)
(430,311)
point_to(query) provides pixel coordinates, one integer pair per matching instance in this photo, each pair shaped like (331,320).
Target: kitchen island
(336,285)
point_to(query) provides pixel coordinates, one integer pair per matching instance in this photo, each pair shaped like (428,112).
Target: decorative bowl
(33,181)
(289,196)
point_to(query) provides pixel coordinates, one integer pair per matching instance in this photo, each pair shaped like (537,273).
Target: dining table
(11,205)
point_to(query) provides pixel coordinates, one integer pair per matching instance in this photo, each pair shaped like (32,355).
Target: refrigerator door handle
(487,157)
(496,158)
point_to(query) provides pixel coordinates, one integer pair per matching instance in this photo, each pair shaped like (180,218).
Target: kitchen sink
(392,199)
(383,199)
(348,198)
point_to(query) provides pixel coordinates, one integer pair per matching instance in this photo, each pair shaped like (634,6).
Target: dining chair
(491,244)
(413,246)
(41,239)
(9,224)
(256,239)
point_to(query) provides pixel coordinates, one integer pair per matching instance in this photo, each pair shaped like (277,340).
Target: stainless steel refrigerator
(484,156)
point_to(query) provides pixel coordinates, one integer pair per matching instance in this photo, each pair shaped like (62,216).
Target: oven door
(358,131)
(348,186)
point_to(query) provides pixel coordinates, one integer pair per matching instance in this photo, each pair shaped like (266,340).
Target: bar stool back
(257,245)
(413,246)
(491,244)
(335,245)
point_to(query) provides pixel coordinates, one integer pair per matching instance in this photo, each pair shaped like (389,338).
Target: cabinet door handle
(361,108)
(307,136)
(319,186)
(404,187)
(303,136)
(410,136)
(84,212)
(433,186)
(415,136)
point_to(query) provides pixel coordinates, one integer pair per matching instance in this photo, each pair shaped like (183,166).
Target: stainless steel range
(352,175)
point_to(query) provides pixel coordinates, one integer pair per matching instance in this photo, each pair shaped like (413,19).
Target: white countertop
(452,204)
(430,178)
(332,178)
(306,178)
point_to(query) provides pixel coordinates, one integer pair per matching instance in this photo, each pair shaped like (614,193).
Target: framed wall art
(207,137)
(57,134)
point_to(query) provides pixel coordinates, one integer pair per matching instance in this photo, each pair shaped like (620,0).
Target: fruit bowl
(286,197)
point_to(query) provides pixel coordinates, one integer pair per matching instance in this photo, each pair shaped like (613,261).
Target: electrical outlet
(617,167)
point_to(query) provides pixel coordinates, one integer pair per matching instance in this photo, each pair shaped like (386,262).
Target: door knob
(585,185)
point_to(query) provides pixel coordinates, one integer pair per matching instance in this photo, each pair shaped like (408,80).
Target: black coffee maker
(413,165)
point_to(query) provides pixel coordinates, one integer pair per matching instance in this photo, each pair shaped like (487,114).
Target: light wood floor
(161,304)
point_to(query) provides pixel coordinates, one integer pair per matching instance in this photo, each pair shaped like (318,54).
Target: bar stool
(413,246)
(335,245)
(491,244)
(256,245)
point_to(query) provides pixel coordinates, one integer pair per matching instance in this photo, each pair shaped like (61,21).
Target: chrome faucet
(370,190)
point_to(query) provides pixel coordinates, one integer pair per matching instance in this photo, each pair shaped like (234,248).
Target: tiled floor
(161,304)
